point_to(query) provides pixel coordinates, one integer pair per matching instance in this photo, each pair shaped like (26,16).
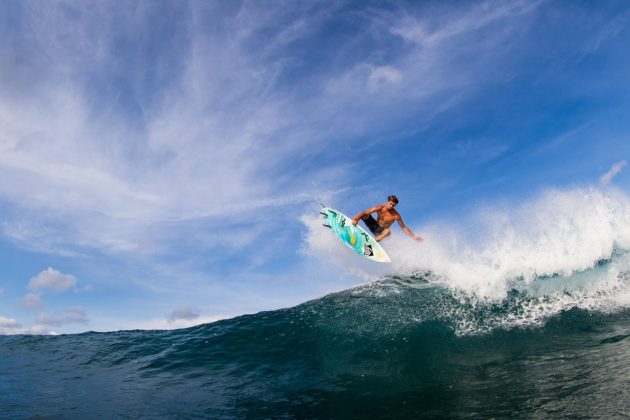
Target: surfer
(385,217)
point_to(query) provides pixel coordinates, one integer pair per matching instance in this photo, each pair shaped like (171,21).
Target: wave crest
(558,233)
(508,266)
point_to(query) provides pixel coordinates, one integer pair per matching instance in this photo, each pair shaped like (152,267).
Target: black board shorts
(373,225)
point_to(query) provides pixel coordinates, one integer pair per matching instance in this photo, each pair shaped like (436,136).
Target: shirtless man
(386,215)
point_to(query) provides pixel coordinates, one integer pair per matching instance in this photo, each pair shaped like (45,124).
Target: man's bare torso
(385,218)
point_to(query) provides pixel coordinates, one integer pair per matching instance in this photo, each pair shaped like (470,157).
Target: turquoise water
(398,347)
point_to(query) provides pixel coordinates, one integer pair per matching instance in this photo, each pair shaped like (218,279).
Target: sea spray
(509,266)
(560,232)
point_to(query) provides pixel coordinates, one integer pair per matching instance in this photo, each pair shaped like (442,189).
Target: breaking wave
(509,266)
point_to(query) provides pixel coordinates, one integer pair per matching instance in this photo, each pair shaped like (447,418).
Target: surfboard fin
(323,214)
(328,226)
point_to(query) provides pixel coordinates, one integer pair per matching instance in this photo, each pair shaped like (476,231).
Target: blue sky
(160,160)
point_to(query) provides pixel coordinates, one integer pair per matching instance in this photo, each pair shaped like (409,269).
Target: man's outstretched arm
(408,231)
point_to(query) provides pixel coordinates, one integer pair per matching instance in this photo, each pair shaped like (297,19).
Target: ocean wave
(528,304)
(403,346)
(505,266)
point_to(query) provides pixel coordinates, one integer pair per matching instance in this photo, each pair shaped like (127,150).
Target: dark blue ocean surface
(397,348)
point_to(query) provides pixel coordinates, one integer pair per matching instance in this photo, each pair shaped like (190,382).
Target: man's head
(392,200)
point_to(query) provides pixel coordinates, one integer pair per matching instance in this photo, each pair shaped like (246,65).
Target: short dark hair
(393,198)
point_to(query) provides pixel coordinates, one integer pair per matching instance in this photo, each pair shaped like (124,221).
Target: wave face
(403,346)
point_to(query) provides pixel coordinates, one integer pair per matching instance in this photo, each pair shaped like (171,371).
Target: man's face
(390,205)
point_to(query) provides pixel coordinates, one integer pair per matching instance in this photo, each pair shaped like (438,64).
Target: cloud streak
(31,301)
(612,172)
(10,326)
(70,316)
(185,313)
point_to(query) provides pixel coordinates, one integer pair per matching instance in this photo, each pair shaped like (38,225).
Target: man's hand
(418,238)
(354,221)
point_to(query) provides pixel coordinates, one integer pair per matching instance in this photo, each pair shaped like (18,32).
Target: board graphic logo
(367,250)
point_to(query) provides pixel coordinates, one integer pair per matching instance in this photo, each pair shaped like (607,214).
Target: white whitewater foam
(558,233)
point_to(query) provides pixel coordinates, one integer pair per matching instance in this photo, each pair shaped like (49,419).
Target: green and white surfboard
(353,235)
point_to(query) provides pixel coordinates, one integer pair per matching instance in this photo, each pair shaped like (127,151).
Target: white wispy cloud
(51,279)
(10,326)
(203,137)
(440,62)
(185,313)
(612,172)
(9,323)
(382,76)
(463,21)
(69,316)
(31,301)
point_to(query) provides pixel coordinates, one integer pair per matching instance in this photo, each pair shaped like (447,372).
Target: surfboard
(354,236)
